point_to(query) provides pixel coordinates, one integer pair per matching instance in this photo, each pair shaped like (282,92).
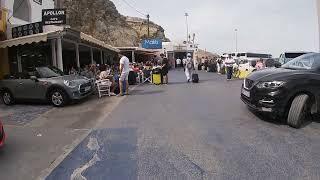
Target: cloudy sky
(269,26)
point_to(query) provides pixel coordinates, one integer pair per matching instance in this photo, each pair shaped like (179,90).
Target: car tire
(7,98)
(298,111)
(58,98)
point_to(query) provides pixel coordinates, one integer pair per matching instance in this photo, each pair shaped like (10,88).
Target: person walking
(219,64)
(229,64)
(165,70)
(259,65)
(178,61)
(124,74)
(189,66)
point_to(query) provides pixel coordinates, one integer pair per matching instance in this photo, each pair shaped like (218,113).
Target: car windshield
(293,55)
(303,62)
(49,72)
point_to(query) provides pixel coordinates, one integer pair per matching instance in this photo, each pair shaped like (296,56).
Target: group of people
(226,65)
(118,74)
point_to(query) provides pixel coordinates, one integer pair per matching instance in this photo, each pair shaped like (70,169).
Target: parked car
(45,83)
(292,91)
(2,135)
(288,56)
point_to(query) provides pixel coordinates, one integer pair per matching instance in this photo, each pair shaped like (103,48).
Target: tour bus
(253,56)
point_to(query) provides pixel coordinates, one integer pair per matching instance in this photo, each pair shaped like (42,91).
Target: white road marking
(93,145)
(77,174)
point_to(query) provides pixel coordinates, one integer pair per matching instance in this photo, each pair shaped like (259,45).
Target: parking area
(192,131)
(40,134)
(22,114)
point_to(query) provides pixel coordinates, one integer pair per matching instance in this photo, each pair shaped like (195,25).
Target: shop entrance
(180,55)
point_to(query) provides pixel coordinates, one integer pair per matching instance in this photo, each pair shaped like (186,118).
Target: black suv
(292,91)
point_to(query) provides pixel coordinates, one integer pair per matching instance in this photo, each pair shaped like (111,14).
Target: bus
(251,56)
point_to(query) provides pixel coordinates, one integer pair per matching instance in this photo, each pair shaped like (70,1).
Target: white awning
(93,40)
(35,38)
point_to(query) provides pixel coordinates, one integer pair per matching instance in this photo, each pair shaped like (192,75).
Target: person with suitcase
(189,70)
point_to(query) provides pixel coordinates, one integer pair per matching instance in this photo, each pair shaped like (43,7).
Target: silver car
(47,84)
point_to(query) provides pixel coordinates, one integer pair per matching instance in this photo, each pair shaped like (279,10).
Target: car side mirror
(34,78)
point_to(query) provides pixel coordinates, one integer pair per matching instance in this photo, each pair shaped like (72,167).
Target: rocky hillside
(141,26)
(101,19)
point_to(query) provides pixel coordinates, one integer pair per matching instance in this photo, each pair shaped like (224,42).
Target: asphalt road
(192,131)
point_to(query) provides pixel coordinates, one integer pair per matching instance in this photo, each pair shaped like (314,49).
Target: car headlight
(270,84)
(70,84)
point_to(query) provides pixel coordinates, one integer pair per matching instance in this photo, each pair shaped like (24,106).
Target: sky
(264,26)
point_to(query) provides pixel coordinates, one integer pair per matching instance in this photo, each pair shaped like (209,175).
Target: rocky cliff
(101,19)
(141,27)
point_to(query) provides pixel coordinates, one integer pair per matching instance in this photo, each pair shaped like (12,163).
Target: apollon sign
(152,44)
(54,16)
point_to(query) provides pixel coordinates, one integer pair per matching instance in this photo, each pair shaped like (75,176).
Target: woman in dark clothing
(165,70)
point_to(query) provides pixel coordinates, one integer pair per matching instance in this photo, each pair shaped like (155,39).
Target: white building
(59,46)
(175,50)
(21,12)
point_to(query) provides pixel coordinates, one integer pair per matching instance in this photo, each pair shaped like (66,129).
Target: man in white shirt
(188,67)
(124,74)
(178,61)
(229,64)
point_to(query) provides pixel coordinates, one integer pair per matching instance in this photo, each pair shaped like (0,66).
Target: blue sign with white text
(152,43)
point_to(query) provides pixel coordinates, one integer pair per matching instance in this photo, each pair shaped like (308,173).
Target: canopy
(35,38)
(93,40)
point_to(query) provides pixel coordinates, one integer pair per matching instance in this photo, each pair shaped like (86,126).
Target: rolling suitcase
(195,78)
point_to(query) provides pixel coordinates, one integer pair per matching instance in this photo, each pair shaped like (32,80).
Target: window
(302,62)
(293,55)
(253,55)
(21,10)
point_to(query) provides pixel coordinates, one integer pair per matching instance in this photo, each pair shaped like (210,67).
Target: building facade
(16,13)
(59,46)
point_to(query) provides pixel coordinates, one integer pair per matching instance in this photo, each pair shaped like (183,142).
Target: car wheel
(299,111)
(7,97)
(58,98)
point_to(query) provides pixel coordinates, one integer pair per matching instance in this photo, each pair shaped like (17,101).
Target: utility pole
(187,43)
(57,3)
(236,32)
(148,16)
(318,11)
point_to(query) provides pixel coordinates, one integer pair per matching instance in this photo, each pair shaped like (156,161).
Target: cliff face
(141,26)
(101,19)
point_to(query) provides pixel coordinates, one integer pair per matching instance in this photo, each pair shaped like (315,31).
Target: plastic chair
(146,77)
(103,87)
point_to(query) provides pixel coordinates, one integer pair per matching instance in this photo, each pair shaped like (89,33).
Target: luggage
(195,78)
(132,78)
(156,79)
(199,67)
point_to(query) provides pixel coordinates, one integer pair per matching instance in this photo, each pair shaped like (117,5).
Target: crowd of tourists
(123,73)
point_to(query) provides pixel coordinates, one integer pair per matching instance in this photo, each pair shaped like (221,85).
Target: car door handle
(21,83)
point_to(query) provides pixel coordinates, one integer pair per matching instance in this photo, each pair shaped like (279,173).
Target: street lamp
(186,14)
(236,32)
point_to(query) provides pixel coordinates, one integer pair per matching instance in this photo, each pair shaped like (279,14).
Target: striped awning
(35,38)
